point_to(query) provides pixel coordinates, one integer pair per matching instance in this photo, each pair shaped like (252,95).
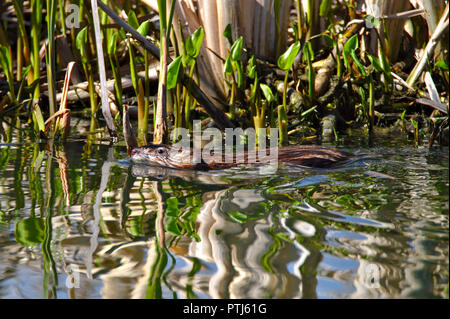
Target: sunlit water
(80,221)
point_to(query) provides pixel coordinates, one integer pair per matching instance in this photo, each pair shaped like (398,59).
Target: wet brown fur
(302,155)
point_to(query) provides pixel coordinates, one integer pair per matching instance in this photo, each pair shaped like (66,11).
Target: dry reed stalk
(254,20)
(394,27)
(429,49)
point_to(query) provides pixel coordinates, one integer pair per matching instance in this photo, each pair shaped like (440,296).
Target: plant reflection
(90,225)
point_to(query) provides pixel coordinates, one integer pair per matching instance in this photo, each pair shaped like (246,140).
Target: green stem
(142,116)
(187,105)
(285,91)
(36,22)
(371,103)
(299,19)
(117,79)
(282,126)
(61,5)
(51,57)
(91,88)
(146,80)
(338,60)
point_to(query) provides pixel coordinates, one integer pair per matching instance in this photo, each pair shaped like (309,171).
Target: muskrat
(177,157)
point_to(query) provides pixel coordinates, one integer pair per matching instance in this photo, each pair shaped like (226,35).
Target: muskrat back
(183,158)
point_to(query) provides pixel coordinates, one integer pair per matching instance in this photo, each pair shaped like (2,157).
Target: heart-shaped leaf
(228,34)
(328,40)
(236,49)
(172,72)
(172,226)
(228,68)
(144,27)
(267,93)
(192,46)
(80,43)
(375,63)
(286,60)
(351,45)
(325,6)
(132,20)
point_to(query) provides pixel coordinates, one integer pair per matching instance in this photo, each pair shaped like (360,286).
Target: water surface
(79,221)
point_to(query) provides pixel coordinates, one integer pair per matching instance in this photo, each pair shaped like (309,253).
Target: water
(80,222)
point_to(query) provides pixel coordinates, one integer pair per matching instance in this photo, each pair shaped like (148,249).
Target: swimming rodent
(177,157)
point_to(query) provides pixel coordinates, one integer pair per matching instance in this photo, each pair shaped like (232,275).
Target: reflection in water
(92,226)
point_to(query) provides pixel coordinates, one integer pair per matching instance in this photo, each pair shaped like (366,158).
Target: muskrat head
(161,155)
(152,154)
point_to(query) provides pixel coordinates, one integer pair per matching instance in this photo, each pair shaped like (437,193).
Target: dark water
(75,222)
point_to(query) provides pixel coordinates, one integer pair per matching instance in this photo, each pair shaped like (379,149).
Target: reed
(6,64)
(24,46)
(220,50)
(36,25)
(308,54)
(51,56)
(160,128)
(82,45)
(114,62)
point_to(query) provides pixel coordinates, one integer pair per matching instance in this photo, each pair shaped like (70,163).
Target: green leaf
(442,65)
(80,43)
(308,51)
(5,59)
(349,47)
(328,40)
(228,34)
(122,34)
(240,73)
(192,46)
(351,44)
(267,93)
(5,63)
(38,118)
(144,27)
(162,13)
(172,73)
(252,67)
(172,207)
(30,231)
(172,226)
(133,70)
(325,6)
(81,38)
(236,49)
(228,68)
(252,72)
(132,20)
(112,45)
(358,64)
(286,60)
(375,63)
